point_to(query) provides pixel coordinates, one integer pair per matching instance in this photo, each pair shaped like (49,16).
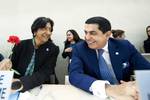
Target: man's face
(94,37)
(43,34)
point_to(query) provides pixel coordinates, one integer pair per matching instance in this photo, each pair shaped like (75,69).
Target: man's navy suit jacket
(84,67)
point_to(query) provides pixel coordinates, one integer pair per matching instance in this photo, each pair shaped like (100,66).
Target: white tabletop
(145,54)
(57,92)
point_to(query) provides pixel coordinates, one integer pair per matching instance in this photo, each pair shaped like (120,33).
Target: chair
(142,49)
(53,79)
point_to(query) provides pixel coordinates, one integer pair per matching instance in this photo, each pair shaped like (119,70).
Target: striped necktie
(30,67)
(105,71)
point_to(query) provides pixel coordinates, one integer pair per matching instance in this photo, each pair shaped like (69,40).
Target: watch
(16,85)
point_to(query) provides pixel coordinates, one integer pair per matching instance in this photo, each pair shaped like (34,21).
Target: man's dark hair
(41,22)
(103,24)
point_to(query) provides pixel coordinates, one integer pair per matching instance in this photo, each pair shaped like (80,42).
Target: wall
(16,17)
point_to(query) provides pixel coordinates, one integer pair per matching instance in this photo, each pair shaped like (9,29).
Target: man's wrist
(98,88)
(110,90)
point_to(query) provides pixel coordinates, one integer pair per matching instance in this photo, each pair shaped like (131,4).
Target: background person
(72,38)
(118,34)
(147,41)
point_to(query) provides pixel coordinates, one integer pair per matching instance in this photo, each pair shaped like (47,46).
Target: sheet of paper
(5,84)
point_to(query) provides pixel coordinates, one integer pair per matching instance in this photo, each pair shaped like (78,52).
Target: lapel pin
(117,53)
(124,65)
(47,49)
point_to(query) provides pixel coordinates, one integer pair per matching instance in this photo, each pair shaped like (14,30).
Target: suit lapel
(92,59)
(115,59)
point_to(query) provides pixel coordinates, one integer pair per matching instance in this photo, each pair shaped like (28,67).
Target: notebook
(143,82)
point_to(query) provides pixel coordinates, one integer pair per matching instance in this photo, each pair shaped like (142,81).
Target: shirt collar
(105,48)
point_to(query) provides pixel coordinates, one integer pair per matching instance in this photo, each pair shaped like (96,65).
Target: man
(88,72)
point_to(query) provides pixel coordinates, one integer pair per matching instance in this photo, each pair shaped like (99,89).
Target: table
(145,54)
(57,92)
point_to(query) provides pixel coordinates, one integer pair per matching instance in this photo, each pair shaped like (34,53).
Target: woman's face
(148,31)
(69,36)
(43,34)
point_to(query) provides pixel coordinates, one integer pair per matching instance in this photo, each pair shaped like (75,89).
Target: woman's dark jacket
(68,54)
(147,45)
(45,62)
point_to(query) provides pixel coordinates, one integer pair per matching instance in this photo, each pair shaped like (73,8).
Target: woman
(118,34)
(35,58)
(72,39)
(147,41)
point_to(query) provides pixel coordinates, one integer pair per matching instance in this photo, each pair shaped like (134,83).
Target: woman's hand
(5,65)
(68,49)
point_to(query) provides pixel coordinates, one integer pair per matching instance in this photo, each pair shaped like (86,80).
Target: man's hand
(131,89)
(5,64)
(123,90)
(124,97)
